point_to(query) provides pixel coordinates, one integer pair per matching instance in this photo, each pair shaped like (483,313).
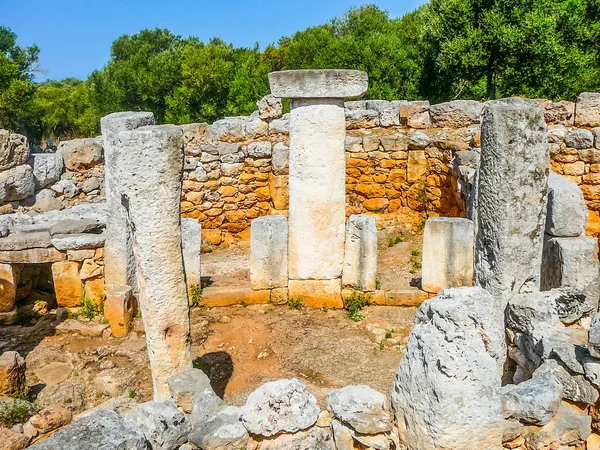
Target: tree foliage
(446,49)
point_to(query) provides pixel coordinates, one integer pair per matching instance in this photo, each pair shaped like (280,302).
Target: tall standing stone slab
(567,212)
(512,191)
(447,253)
(119,269)
(360,257)
(268,252)
(445,393)
(149,172)
(191,243)
(317,167)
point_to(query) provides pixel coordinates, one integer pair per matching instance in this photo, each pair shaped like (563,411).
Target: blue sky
(74,36)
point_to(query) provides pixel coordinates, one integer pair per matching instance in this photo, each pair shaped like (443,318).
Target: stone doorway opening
(35,293)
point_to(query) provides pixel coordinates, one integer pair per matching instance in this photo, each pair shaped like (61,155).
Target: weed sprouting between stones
(355,303)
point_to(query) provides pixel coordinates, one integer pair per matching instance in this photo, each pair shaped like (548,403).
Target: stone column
(149,173)
(512,192)
(317,177)
(119,268)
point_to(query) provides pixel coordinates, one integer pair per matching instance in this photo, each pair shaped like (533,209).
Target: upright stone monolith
(512,192)
(119,268)
(317,173)
(149,171)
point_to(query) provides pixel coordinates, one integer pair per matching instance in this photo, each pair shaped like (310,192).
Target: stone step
(411,296)
(227,296)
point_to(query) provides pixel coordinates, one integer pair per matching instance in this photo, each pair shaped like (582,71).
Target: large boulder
(14,150)
(283,405)
(567,212)
(104,430)
(534,401)
(164,426)
(446,388)
(47,168)
(361,407)
(16,183)
(80,154)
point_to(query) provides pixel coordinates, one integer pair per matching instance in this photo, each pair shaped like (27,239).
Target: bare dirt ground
(240,348)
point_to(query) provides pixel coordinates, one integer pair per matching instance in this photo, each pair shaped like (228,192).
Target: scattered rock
(222,430)
(283,405)
(164,426)
(360,407)
(575,387)
(185,385)
(12,373)
(80,154)
(14,150)
(534,401)
(65,394)
(205,404)
(314,439)
(47,204)
(50,419)
(54,373)
(47,168)
(11,440)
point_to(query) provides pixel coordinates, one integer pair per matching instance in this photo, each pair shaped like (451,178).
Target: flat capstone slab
(318,83)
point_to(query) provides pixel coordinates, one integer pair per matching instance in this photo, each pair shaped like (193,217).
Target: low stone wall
(405,161)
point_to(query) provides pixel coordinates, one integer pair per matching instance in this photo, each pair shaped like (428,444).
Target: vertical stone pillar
(512,192)
(119,268)
(447,253)
(317,174)
(360,256)
(191,244)
(149,162)
(268,252)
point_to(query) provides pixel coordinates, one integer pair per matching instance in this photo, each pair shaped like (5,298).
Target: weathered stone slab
(84,328)
(163,425)
(280,159)
(446,388)
(318,83)
(16,183)
(91,211)
(23,241)
(360,407)
(81,154)
(67,284)
(185,385)
(14,149)
(32,256)
(101,430)
(191,243)
(579,139)
(118,309)
(587,110)
(573,263)
(268,252)
(575,387)
(456,114)
(223,430)
(567,212)
(314,439)
(447,253)
(512,191)
(214,296)
(78,241)
(76,226)
(8,287)
(47,168)
(535,401)
(317,293)
(360,255)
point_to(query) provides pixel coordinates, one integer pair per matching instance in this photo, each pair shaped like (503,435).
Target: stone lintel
(336,83)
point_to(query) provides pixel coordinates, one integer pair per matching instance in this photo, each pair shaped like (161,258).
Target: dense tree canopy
(446,49)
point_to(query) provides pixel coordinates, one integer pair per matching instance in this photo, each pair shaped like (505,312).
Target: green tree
(17,88)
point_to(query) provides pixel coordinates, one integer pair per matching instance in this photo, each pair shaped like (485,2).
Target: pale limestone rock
(81,154)
(163,425)
(148,158)
(269,108)
(279,406)
(535,401)
(512,189)
(318,83)
(191,243)
(360,256)
(317,293)
(360,407)
(314,439)
(78,241)
(222,430)
(16,183)
(575,387)
(567,212)
(268,252)
(342,436)
(587,110)
(446,388)
(185,385)
(47,168)
(456,114)
(14,150)
(280,159)
(579,139)
(447,253)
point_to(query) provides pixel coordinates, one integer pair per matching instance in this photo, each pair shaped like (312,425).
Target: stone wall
(406,161)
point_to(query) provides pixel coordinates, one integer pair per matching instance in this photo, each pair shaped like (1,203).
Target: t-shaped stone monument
(317,178)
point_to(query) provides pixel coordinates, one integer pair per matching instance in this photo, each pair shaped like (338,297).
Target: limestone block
(259,149)
(389,112)
(317,189)
(535,401)
(360,257)
(78,241)
(417,165)
(186,385)
(567,212)
(317,293)
(279,296)
(579,139)
(120,261)
(445,389)
(94,290)
(511,197)
(268,252)
(280,159)
(269,108)
(214,296)
(281,125)
(32,256)
(415,114)
(8,287)
(24,241)
(223,430)
(360,407)
(67,285)
(12,374)
(81,154)
(191,243)
(103,429)
(315,438)
(587,110)
(573,263)
(13,440)
(16,183)
(456,114)
(318,83)
(447,253)
(47,168)
(147,159)
(14,150)
(361,119)
(594,336)
(118,309)
(575,387)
